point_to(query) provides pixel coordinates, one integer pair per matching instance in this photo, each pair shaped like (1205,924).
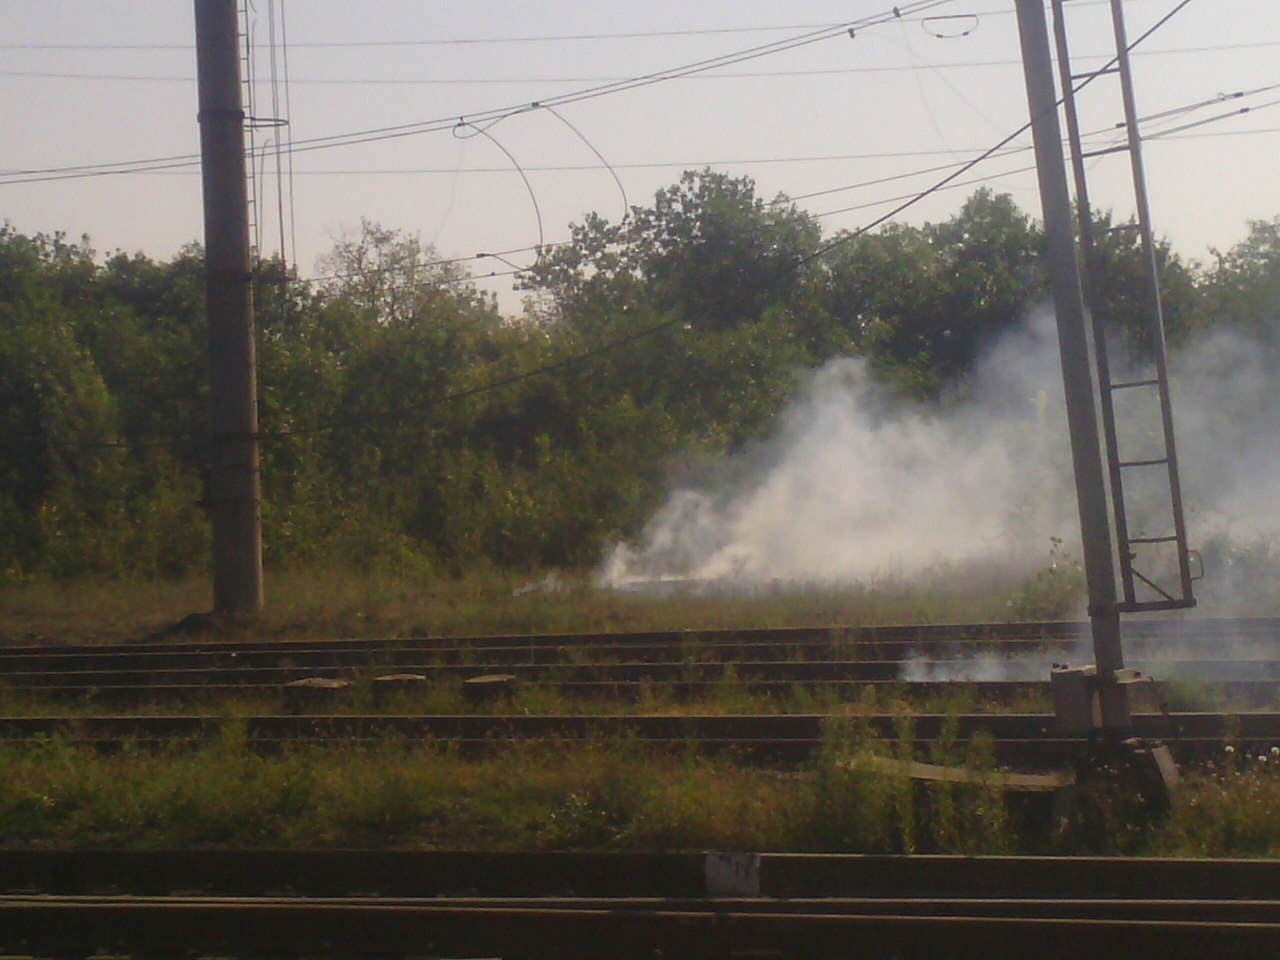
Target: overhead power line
(418,128)
(478,41)
(502,255)
(734,75)
(177,162)
(946,182)
(987,154)
(400,413)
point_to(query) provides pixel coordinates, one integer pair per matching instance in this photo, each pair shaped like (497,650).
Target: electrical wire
(971,23)
(417,128)
(843,188)
(735,75)
(1208,120)
(275,112)
(551,38)
(484,132)
(909,202)
(626,205)
(585,356)
(166,163)
(249,96)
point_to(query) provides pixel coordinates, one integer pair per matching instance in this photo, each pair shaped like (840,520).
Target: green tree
(923,303)
(708,249)
(59,468)
(1243,287)
(722,267)
(1124,289)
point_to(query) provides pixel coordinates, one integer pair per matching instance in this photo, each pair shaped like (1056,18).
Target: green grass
(445,697)
(326,603)
(1232,812)
(540,796)
(605,795)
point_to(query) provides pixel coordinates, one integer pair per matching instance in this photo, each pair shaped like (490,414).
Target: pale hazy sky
(105,81)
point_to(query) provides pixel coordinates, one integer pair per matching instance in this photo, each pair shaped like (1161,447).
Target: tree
(717,263)
(1124,289)
(1243,288)
(58,465)
(708,249)
(391,275)
(923,303)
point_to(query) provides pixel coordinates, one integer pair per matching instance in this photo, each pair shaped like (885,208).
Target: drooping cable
(418,128)
(626,205)
(483,131)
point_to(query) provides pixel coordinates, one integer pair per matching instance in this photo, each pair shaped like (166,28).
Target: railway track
(369,903)
(1238,659)
(784,666)
(1235,694)
(356,904)
(869,642)
(561,674)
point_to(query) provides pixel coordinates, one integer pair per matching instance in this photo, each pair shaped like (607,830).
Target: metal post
(1077,365)
(233,483)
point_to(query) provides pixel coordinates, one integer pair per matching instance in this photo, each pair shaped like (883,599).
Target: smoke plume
(857,485)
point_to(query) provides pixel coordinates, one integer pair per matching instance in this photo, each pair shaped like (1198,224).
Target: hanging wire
(399,413)
(626,205)
(418,128)
(483,131)
(986,154)
(936,26)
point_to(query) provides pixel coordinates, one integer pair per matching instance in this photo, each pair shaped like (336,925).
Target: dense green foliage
(386,441)
(602,795)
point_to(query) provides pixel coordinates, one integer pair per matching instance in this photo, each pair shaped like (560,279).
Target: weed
(1055,591)
(327,603)
(1189,696)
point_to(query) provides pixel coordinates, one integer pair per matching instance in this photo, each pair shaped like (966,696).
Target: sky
(843,123)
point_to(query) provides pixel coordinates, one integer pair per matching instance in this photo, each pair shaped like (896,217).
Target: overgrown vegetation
(542,797)
(382,444)
(322,602)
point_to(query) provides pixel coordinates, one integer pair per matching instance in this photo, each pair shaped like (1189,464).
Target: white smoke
(859,486)
(1226,404)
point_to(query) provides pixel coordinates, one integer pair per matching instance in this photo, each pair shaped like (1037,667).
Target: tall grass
(604,795)
(346,603)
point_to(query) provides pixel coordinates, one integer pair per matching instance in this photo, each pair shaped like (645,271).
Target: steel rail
(449,873)
(344,652)
(564,673)
(1010,906)
(371,928)
(1220,727)
(1250,694)
(1191,631)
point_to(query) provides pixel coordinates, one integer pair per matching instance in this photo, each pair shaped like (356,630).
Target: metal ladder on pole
(247,95)
(1155,562)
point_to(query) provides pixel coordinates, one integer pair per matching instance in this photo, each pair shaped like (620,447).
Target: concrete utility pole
(1078,374)
(234,497)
